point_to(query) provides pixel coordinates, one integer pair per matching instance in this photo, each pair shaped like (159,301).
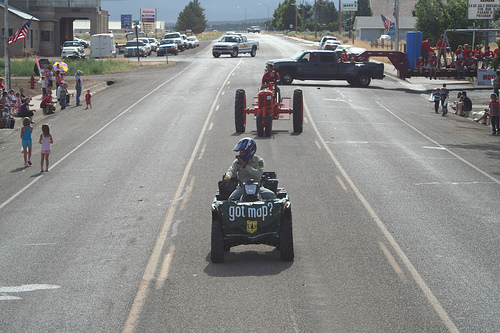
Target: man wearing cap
(78,86)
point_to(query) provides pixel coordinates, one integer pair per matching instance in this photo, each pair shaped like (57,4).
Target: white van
(102,45)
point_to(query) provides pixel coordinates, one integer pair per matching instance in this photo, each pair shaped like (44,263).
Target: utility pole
(6,44)
(340,19)
(303,16)
(396,15)
(315,21)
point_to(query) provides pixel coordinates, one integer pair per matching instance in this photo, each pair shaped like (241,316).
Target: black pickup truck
(324,65)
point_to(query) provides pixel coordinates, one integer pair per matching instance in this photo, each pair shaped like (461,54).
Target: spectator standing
(88,99)
(58,78)
(437,99)
(5,100)
(2,85)
(426,46)
(61,95)
(27,141)
(488,56)
(494,114)
(19,101)
(45,140)
(78,86)
(444,100)
(459,53)
(478,56)
(496,83)
(432,66)
(442,46)
(467,53)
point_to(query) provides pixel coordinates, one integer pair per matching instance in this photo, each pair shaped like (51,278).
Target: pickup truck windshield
(229,39)
(167,41)
(297,55)
(134,44)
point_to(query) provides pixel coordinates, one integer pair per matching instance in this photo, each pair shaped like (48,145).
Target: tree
(192,17)
(429,15)
(284,15)
(364,8)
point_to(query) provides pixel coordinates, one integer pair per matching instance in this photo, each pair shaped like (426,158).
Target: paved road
(395,211)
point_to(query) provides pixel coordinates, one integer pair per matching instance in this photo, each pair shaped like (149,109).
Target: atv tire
(298,114)
(239,110)
(260,128)
(217,246)
(286,238)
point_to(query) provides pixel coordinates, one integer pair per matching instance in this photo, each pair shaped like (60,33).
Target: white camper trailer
(102,45)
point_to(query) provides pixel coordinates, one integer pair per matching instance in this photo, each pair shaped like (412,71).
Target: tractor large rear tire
(286,238)
(217,246)
(239,110)
(298,114)
(260,128)
(269,124)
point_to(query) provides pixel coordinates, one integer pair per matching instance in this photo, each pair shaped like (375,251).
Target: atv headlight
(251,189)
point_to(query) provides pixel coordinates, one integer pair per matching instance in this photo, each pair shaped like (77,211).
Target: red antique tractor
(268,106)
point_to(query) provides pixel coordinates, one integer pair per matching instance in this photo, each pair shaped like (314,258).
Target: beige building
(52,25)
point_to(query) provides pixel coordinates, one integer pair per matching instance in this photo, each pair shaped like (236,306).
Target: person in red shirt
(494,111)
(442,46)
(467,53)
(459,53)
(47,104)
(419,64)
(344,57)
(270,75)
(426,45)
(432,66)
(471,64)
(460,68)
(478,55)
(488,55)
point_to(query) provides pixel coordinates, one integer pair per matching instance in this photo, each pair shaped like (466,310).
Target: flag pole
(6,45)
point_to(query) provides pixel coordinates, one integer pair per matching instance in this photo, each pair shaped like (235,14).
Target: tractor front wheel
(260,126)
(239,110)
(269,124)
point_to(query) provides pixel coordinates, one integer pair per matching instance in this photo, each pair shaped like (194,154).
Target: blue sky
(215,10)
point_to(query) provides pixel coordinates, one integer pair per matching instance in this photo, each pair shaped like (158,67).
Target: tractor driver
(270,75)
(247,166)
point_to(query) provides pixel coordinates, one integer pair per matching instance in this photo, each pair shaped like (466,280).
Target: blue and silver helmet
(247,145)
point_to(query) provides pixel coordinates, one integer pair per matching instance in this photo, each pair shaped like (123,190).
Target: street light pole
(245,15)
(267,25)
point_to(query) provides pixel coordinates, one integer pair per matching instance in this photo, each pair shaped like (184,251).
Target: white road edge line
(90,138)
(152,266)
(439,146)
(413,271)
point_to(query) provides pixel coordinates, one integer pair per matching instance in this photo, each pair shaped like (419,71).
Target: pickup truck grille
(220,48)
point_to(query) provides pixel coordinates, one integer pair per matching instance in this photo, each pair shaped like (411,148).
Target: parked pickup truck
(234,45)
(324,65)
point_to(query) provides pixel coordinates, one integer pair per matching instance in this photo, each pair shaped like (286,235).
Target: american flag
(387,23)
(21,33)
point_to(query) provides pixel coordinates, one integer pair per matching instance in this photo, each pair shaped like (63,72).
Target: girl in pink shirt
(45,140)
